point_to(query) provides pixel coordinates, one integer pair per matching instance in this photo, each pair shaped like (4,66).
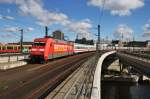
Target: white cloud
(86,35)
(35,9)
(30,29)
(0,16)
(118,7)
(82,27)
(11,29)
(44,17)
(146,29)
(7,1)
(147,35)
(123,31)
(6,17)
(17,29)
(6,36)
(8,10)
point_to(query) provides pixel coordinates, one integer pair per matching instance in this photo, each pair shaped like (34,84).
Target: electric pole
(133,42)
(21,41)
(46,31)
(98,43)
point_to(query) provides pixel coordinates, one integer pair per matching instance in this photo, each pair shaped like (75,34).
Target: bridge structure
(139,62)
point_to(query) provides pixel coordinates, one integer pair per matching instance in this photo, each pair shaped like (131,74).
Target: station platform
(12,64)
(8,61)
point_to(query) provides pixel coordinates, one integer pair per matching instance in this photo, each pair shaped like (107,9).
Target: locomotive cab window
(39,43)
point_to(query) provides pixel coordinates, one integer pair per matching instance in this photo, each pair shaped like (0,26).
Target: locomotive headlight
(33,49)
(41,50)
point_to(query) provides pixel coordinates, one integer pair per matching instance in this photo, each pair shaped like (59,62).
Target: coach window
(9,47)
(14,47)
(3,47)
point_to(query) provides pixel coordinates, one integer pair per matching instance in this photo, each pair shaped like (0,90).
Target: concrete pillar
(17,58)
(121,66)
(140,78)
(8,59)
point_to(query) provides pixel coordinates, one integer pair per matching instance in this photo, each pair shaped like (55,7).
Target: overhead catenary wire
(17,34)
(101,9)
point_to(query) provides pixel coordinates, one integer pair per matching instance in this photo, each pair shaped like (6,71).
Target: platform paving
(13,64)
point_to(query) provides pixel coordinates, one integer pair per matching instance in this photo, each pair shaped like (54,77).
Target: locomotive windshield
(39,44)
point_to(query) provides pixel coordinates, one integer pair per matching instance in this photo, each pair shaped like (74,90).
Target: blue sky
(74,16)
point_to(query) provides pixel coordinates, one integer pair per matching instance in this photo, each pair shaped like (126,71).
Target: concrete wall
(10,58)
(96,90)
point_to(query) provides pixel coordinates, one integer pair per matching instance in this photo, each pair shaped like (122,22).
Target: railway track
(140,65)
(139,55)
(42,80)
(79,81)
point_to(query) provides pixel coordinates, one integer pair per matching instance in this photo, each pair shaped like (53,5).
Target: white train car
(79,48)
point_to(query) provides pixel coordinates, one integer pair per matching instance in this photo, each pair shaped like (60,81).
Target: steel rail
(40,80)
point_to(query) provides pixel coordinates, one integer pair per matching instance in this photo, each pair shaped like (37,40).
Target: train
(44,49)
(14,48)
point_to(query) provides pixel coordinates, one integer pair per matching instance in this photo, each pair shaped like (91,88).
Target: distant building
(131,44)
(137,44)
(148,44)
(58,35)
(84,41)
(115,43)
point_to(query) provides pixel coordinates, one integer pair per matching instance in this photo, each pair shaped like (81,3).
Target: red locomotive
(44,49)
(47,48)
